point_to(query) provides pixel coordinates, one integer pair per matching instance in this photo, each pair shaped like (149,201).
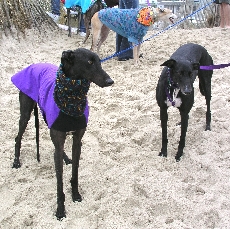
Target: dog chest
(173,100)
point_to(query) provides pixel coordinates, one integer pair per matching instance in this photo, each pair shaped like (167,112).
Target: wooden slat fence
(207,17)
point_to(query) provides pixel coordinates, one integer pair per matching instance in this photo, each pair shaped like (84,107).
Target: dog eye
(90,62)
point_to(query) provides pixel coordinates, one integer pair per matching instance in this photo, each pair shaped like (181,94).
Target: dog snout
(109,82)
(171,19)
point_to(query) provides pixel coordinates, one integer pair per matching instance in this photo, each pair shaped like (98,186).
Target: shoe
(82,34)
(123,58)
(72,12)
(55,17)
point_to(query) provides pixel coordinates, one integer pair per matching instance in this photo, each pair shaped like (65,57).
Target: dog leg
(164,120)
(58,139)
(136,53)
(97,6)
(104,34)
(78,20)
(87,23)
(76,152)
(208,112)
(37,131)
(26,106)
(96,31)
(184,126)
(68,18)
(208,115)
(205,89)
(66,159)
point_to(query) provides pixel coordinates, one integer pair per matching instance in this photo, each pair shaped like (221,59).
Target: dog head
(183,73)
(165,15)
(84,64)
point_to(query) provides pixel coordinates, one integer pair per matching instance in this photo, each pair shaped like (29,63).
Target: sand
(123,181)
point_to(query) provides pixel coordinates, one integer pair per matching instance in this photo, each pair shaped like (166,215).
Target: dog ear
(169,63)
(67,57)
(160,10)
(196,66)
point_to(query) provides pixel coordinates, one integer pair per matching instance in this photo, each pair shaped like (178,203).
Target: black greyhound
(175,88)
(61,96)
(95,7)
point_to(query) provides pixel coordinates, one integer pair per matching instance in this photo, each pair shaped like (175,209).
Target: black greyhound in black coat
(97,6)
(175,88)
(78,68)
(86,16)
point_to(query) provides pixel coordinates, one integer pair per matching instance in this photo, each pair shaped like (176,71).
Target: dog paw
(16,164)
(137,63)
(177,158)
(208,128)
(76,197)
(60,214)
(67,161)
(162,154)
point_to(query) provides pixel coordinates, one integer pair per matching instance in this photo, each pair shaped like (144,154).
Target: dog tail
(201,89)
(37,130)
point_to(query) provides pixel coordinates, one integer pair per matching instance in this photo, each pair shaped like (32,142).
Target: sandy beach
(123,181)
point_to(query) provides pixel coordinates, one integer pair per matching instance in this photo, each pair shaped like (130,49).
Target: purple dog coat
(38,82)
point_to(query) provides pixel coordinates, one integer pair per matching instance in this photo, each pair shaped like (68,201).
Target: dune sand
(123,182)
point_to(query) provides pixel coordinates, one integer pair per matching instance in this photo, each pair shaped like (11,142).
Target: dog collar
(154,10)
(145,16)
(102,2)
(172,90)
(70,95)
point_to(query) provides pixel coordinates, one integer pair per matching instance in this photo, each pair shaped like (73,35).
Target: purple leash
(211,67)
(148,3)
(171,84)
(169,97)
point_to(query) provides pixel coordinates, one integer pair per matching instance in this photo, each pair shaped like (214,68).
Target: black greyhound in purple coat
(175,88)
(61,94)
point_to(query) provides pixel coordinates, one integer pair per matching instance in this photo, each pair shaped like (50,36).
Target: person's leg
(221,15)
(131,4)
(122,4)
(55,7)
(122,43)
(118,36)
(125,44)
(118,42)
(82,25)
(226,11)
(55,10)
